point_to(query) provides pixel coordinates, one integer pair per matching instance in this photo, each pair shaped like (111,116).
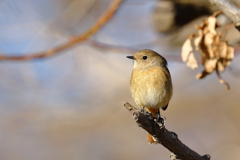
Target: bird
(150,83)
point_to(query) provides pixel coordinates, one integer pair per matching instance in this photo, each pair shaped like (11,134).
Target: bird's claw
(160,120)
(145,112)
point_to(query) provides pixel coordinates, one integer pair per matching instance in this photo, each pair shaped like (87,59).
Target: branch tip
(100,22)
(168,139)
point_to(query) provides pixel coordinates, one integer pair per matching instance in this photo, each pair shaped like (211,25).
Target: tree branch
(73,41)
(163,136)
(229,9)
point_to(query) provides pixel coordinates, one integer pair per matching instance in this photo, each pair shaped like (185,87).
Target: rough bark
(167,138)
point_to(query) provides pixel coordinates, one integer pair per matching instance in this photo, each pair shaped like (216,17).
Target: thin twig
(163,136)
(73,41)
(229,9)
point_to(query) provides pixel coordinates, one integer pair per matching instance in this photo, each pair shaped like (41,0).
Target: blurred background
(69,106)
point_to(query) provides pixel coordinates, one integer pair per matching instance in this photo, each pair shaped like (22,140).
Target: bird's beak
(131,57)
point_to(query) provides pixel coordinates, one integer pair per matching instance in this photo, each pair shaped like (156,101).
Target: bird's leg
(160,120)
(145,111)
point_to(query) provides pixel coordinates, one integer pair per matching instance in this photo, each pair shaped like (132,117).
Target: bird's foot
(160,120)
(145,112)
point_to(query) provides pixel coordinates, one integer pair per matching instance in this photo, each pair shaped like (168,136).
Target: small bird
(150,83)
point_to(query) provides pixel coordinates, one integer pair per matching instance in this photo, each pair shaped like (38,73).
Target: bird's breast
(152,87)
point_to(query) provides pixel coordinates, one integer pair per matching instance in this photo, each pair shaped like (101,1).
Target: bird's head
(147,58)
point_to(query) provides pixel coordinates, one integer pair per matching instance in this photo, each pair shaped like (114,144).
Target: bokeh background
(69,106)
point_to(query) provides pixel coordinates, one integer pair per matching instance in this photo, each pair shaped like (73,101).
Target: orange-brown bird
(151,83)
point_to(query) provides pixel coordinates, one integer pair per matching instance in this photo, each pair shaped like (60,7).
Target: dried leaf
(220,66)
(222,55)
(198,39)
(222,80)
(222,48)
(226,55)
(208,42)
(230,55)
(203,51)
(212,21)
(217,39)
(216,54)
(230,52)
(187,54)
(210,65)
(202,74)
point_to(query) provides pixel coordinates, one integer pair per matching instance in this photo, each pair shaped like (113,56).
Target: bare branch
(229,9)
(73,41)
(163,136)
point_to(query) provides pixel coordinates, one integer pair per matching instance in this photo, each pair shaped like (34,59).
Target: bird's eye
(144,57)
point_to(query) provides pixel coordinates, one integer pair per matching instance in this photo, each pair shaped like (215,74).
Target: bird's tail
(155,113)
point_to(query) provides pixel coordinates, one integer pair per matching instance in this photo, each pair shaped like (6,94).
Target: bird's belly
(151,97)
